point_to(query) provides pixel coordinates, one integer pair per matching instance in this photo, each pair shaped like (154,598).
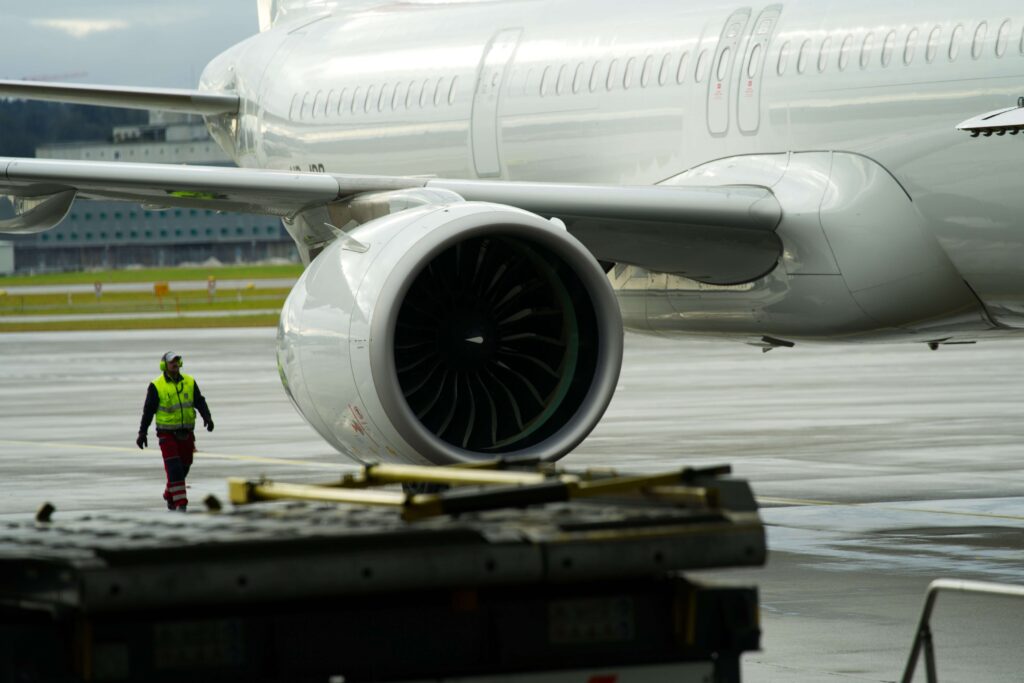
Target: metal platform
(295,591)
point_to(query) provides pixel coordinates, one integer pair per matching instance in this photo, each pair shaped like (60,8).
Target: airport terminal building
(99,234)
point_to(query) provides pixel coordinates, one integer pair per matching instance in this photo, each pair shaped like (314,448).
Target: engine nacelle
(450,334)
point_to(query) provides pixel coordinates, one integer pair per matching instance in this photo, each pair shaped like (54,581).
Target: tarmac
(879,469)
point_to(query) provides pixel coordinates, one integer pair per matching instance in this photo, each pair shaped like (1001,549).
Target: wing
(716,234)
(183,101)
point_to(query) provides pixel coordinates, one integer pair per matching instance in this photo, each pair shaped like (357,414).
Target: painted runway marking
(882,505)
(199,454)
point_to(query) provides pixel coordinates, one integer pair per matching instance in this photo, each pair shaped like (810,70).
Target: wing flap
(166,99)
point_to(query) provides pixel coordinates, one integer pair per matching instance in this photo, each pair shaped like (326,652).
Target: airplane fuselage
(826,98)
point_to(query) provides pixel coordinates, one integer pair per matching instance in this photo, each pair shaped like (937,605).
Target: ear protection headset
(170,355)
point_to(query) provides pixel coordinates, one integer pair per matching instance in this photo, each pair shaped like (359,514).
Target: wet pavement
(879,469)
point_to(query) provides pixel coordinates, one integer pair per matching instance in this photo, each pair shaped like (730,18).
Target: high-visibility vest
(176,409)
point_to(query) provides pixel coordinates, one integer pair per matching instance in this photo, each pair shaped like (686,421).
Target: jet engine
(450,334)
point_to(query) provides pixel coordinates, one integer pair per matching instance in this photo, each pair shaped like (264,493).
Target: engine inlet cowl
(464,333)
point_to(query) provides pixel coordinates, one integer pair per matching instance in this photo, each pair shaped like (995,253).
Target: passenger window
(385,97)
(291,108)
(754,61)
(577,79)
(933,44)
(424,93)
(723,64)
(865,50)
(304,113)
(783,59)
(683,58)
(954,42)
(396,97)
(702,63)
(1003,38)
(613,71)
(330,104)
(410,95)
(801,57)
(645,73)
(666,66)
(563,74)
(888,45)
(844,52)
(627,74)
(826,45)
(979,39)
(452,90)
(439,90)
(910,47)
(595,76)
(371,98)
(545,81)
(1022,41)
(317,99)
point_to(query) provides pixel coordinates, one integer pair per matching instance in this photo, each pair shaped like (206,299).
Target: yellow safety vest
(176,409)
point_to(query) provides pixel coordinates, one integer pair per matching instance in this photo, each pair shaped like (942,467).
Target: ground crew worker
(174,399)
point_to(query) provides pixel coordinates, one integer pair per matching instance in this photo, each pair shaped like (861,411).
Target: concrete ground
(879,469)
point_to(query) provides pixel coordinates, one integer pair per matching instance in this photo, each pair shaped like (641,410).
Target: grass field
(118,310)
(154,275)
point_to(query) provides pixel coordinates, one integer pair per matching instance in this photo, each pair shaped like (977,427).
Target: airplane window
(613,71)
(888,45)
(865,50)
(801,57)
(666,65)
(438,90)
(452,91)
(396,97)
(371,98)
(577,79)
(783,59)
(954,42)
(1003,38)
(979,39)
(561,85)
(627,74)
(645,73)
(384,98)
(595,77)
(844,52)
(424,93)
(317,99)
(545,81)
(292,107)
(826,45)
(911,46)
(755,60)
(410,96)
(933,44)
(681,70)
(723,64)
(1022,41)
(702,63)
(304,112)
(330,104)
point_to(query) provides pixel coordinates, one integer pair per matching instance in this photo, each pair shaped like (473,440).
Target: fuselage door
(722,69)
(486,100)
(748,102)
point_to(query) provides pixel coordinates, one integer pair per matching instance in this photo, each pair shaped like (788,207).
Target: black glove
(208,424)
(142,441)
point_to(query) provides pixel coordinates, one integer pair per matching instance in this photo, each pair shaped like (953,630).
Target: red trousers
(177,449)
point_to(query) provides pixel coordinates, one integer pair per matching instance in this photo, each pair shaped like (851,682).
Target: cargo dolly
(502,572)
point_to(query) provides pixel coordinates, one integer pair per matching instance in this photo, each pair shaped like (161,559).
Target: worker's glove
(142,441)
(208,424)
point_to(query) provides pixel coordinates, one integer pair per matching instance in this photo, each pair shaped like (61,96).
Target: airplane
(486,193)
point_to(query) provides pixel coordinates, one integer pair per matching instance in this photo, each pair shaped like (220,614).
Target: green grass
(154,275)
(140,302)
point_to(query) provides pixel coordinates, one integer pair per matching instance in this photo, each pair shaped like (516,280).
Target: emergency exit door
(751,77)
(486,101)
(719,85)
